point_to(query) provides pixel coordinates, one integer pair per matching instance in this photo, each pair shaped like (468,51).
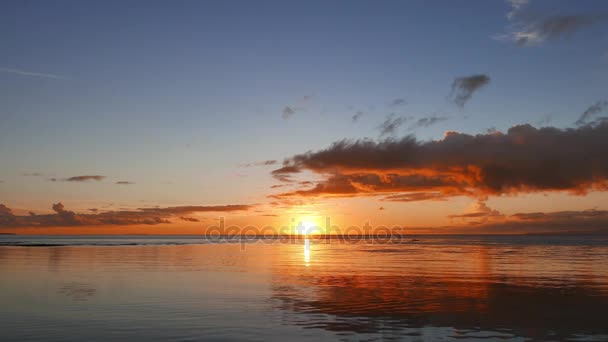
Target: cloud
(391,124)
(516,6)
(415,197)
(33,174)
(141,216)
(198,209)
(302,104)
(283,174)
(31,73)
(532,30)
(357,116)
(464,87)
(426,122)
(261,163)
(84,178)
(480,212)
(585,221)
(189,219)
(6,216)
(523,160)
(124,183)
(397,102)
(596,108)
(288,112)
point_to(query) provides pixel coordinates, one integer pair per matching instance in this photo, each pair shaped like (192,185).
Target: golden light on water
(307,252)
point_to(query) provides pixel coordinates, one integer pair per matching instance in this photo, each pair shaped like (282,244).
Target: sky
(437,116)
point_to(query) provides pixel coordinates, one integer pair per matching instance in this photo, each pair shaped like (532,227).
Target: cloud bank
(525,159)
(141,216)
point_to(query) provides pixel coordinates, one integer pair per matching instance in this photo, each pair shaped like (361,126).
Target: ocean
(189,288)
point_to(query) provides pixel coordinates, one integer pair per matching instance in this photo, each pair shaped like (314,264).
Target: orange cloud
(525,159)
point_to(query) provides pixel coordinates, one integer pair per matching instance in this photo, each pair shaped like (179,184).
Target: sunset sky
(441,117)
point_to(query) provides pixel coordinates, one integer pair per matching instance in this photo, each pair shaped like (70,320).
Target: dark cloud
(6,216)
(464,87)
(595,108)
(124,183)
(189,219)
(33,174)
(283,174)
(357,116)
(525,159)
(391,124)
(141,216)
(426,122)
(288,112)
(585,221)
(84,178)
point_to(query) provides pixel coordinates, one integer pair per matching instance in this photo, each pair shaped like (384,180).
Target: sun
(308,226)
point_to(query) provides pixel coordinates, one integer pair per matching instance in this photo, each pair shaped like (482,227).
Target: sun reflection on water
(307,252)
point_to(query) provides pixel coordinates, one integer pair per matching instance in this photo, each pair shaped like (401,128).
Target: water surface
(186,288)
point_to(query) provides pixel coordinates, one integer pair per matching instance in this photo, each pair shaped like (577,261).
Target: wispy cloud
(532,30)
(357,116)
(595,108)
(260,163)
(124,183)
(516,6)
(85,178)
(31,73)
(391,124)
(428,121)
(32,174)
(301,104)
(537,32)
(287,112)
(464,87)
(397,102)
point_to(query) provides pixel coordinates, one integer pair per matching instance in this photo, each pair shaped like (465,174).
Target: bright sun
(308,226)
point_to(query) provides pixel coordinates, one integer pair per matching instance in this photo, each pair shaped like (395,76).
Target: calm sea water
(185,289)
